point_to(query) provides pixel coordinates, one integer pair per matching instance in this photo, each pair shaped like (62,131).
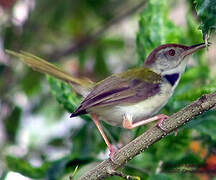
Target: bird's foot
(161,118)
(113,149)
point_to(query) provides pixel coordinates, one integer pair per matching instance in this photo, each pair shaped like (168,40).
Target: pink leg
(127,121)
(111,147)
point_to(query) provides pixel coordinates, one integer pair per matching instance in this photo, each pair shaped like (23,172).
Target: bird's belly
(113,115)
(147,108)
(139,111)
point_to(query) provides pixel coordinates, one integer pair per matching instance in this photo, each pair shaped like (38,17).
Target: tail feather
(80,85)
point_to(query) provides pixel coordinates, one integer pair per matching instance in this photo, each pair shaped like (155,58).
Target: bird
(128,99)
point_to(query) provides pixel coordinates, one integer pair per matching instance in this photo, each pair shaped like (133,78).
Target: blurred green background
(95,38)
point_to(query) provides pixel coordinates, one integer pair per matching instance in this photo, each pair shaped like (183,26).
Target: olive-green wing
(131,86)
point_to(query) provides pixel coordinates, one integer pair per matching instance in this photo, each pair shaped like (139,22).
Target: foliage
(25,168)
(206,10)
(155,19)
(81,146)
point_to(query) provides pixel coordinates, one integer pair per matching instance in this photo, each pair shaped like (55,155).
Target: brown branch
(91,38)
(141,143)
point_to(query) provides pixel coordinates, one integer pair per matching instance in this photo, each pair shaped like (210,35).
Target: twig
(91,38)
(141,143)
(124,176)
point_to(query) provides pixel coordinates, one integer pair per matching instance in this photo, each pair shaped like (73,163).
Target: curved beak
(191,49)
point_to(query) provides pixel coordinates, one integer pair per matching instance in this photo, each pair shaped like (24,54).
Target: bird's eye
(171,52)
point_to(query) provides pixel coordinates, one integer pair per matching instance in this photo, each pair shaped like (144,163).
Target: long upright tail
(81,85)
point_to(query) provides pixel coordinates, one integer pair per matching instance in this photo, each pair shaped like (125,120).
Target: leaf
(56,169)
(88,141)
(195,73)
(155,28)
(65,95)
(197,92)
(25,168)
(12,123)
(207,125)
(160,176)
(189,160)
(206,11)
(30,83)
(176,145)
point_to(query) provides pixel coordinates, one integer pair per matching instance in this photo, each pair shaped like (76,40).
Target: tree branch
(151,136)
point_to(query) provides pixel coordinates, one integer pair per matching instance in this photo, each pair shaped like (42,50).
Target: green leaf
(30,83)
(155,28)
(25,168)
(207,125)
(88,140)
(12,123)
(189,160)
(193,34)
(176,145)
(206,11)
(197,92)
(159,176)
(65,95)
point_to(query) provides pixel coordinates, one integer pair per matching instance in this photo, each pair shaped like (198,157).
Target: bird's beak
(194,48)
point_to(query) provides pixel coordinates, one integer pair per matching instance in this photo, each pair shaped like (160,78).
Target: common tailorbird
(128,99)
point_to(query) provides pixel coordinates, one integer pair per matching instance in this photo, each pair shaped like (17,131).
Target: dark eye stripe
(171,52)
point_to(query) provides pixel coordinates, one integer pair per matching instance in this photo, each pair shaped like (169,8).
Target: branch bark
(151,136)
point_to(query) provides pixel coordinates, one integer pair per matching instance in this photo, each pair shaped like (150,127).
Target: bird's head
(170,58)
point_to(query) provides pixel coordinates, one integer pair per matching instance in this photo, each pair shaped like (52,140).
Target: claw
(113,149)
(161,118)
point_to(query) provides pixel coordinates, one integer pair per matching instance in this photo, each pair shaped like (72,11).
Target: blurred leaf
(65,95)
(206,11)
(25,168)
(159,176)
(195,73)
(207,125)
(113,43)
(193,34)
(88,141)
(57,169)
(190,160)
(57,142)
(100,67)
(12,123)
(2,68)
(155,29)
(3,175)
(30,83)
(197,92)
(175,144)
(145,160)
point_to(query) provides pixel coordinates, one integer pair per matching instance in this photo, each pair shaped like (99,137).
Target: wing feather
(131,86)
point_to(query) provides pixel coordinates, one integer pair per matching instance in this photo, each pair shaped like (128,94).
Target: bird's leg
(127,121)
(111,147)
